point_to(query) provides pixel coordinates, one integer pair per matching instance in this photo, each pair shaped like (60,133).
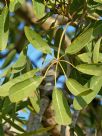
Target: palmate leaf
(61,108)
(81,101)
(80,42)
(90,69)
(76,88)
(24,89)
(4,28)
(37,41)
(4,89)
(39,8)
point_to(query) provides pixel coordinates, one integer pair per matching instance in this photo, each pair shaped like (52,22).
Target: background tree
(57,106)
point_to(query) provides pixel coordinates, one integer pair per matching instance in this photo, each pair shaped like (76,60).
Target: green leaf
(90,69)
(61,108)
(97,31)
(96,51)
(35,101)
(24,89)
(37,41)
(58,35)
(4,28)
(20,63)
(87,57)
(17,127)
(39,131)
(81,101)
(39,8)
(15,4)
(80,42)
(76,88)
(99,1)
(9,58)
(4,89)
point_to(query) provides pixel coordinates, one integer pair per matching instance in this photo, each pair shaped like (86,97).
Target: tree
(74,107)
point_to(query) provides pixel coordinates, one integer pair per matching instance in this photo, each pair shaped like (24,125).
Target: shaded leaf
(39,131)
(9,58)
(61,108)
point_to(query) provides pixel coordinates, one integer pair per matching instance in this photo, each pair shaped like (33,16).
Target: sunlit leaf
(61,108)
(81,101)
(20,63)
(90,69)
(80,42)
(4,89)
(4,28)
(14,4)
(24,89)
(87,57)
(35,101)
(96,51)
(39,8)
(37,41)
(99,1)
(76,88)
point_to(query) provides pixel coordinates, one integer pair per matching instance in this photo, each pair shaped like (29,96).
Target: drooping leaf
(4,89)
(37,41)
(35,101)
(76,88)
(96,51)
(4,28)
(61,108)
(90,69)
(81,101)
(39,8)
(24,89)
(80,42)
